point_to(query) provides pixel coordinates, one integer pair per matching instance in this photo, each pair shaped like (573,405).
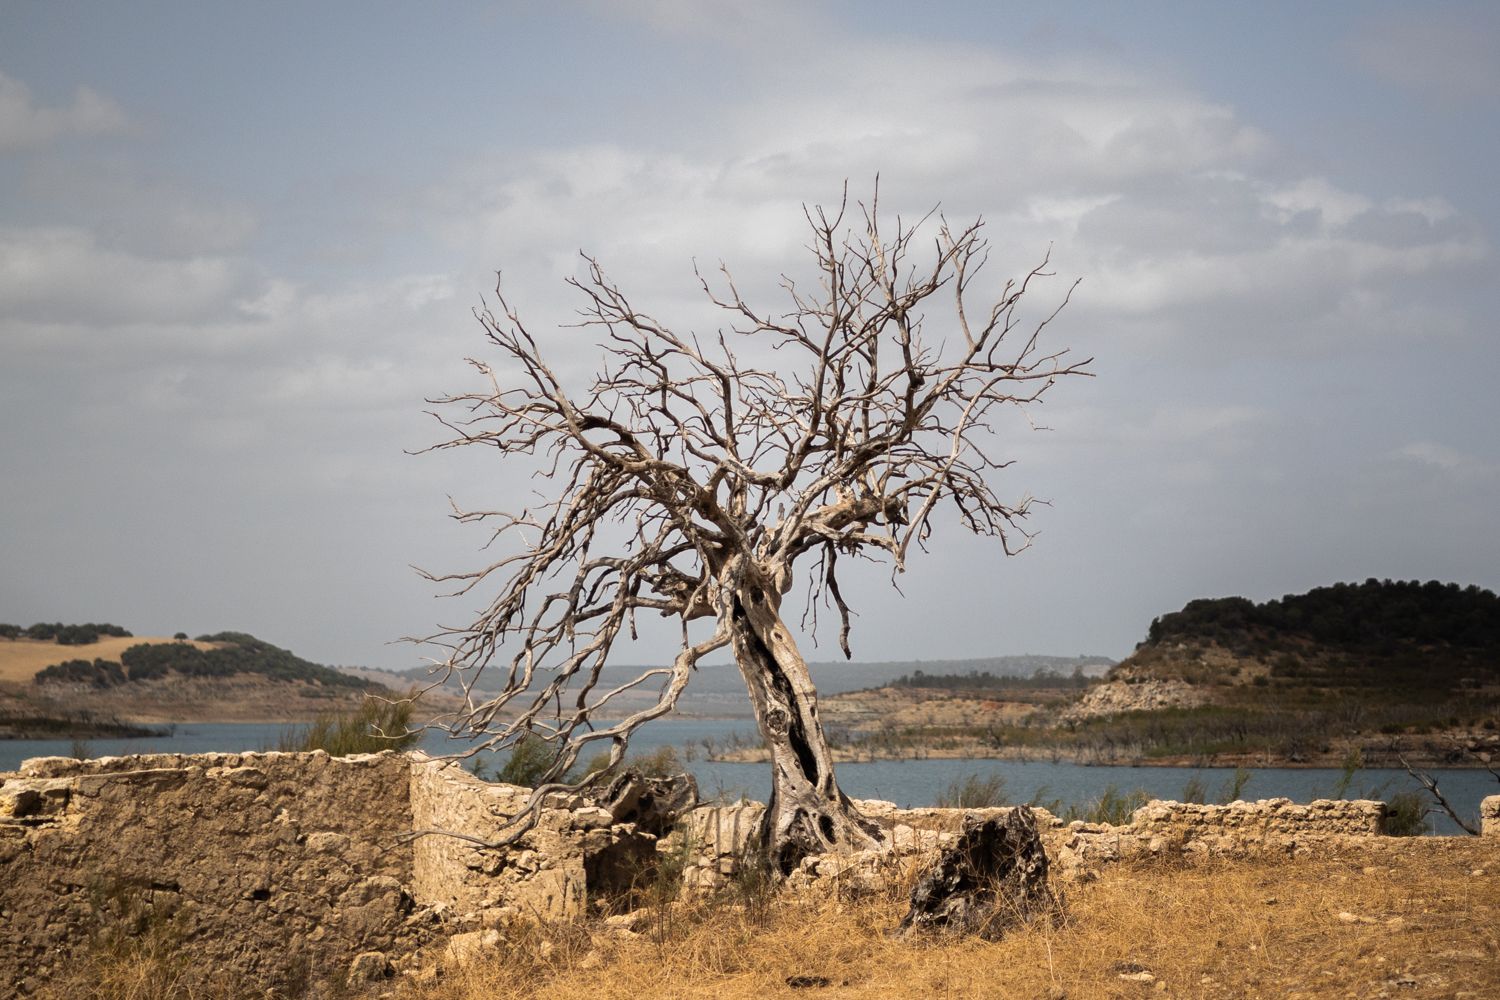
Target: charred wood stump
(653,804)
(992,879)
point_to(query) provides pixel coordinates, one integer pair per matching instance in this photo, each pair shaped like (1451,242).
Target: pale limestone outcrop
(1489,816)
(1116,696)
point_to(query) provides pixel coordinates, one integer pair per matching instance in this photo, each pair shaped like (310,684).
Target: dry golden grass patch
(1406,920)
(21,659)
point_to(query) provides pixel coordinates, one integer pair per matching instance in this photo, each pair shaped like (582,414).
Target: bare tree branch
(722,471)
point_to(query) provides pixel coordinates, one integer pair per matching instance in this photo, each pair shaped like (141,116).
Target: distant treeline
(979,680)
(64,635)
(238,653)
(1363,616)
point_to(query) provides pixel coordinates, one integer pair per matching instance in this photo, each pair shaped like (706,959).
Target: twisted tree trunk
(808,813)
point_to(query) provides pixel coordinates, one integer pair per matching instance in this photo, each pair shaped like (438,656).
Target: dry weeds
(1405,919)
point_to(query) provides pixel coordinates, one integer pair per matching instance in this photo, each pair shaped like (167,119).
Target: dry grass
(21,659)
(1415,923)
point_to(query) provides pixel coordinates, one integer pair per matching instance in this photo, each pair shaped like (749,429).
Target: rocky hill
(1377,670)
(1412,653)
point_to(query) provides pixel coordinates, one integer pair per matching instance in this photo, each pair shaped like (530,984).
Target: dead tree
(848,432)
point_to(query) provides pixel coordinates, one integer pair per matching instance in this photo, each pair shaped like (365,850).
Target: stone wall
(573,854)
(265,866)
(279,870)
(272,871)
(718,835)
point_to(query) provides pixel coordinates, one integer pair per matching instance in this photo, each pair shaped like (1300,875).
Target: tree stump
(653,804)
(994,878)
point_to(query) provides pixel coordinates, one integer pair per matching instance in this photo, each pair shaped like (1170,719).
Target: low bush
(973,792)
(378,724)
(100,673)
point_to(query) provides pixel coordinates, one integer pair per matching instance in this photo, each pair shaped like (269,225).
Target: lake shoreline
(1022,755)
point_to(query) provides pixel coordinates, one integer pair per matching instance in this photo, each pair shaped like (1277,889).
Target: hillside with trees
(1387,668)
(1378,670)
(230,653)
(98,680)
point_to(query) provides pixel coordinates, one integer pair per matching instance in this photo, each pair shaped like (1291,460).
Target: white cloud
(26,125)
(1181,216)
(62,275)
(1446,460)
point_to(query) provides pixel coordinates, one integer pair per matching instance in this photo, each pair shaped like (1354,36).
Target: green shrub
(100,673)
(376,725)
(1406,815)
(531,757)
(973,792)
(1354,762)
(1113,807)
(662,762)
(1193,790)
(1234,786)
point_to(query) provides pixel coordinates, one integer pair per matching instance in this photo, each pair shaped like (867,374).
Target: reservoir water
(905,782)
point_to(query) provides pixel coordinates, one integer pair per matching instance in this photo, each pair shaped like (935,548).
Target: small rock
(1138,977)
(368,967)
(1395,923)
(1477,873)
(464,948)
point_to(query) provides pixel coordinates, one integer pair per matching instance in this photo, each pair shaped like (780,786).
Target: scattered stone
(369,967)
(462,949)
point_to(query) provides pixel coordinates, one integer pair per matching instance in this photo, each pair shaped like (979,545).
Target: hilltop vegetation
(64,635)
(53,684)
(231,653)
(1379,634)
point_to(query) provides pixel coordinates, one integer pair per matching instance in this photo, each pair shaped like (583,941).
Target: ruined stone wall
(546,875)
(717,836)
(273,870)
(262,867)
(276,870)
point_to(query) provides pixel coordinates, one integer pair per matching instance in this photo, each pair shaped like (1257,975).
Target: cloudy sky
(240,243)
